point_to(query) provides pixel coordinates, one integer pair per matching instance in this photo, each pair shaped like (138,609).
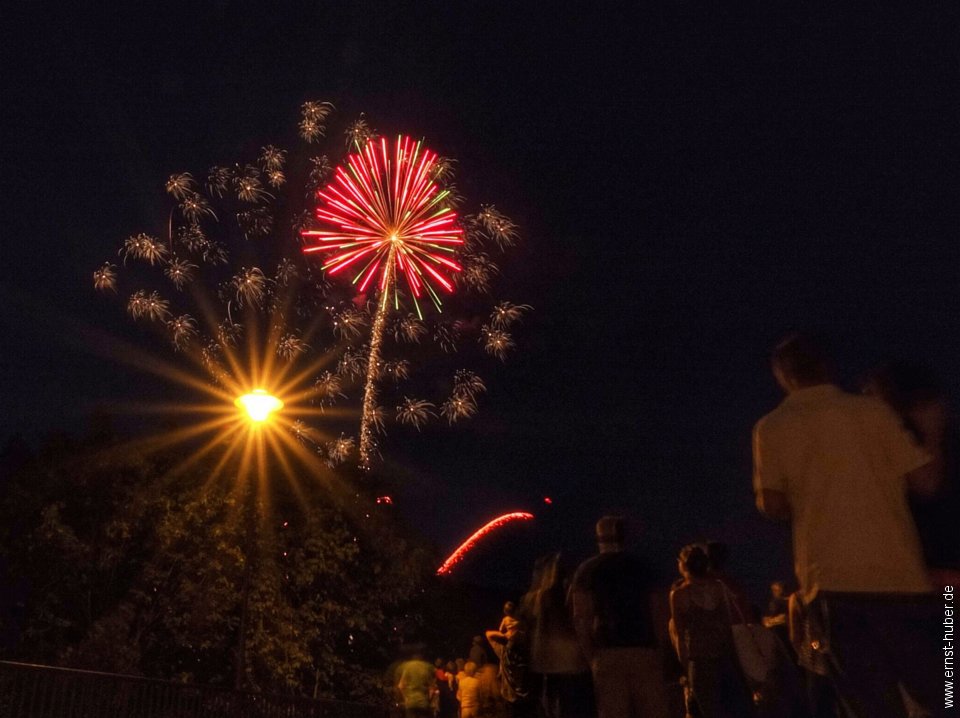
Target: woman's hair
(694,560)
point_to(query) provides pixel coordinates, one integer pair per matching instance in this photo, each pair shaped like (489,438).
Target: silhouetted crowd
(867,482)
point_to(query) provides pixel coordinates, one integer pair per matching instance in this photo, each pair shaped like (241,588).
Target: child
(468,692)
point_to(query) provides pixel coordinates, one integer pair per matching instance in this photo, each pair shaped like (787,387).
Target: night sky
(691,183)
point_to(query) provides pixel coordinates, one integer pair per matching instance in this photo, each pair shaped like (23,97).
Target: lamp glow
(259,405)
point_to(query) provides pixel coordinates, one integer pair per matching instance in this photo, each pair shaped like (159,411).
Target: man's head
(800,360)
(470,668)
(717,553)
(610,534)
(776,589)
(509,608)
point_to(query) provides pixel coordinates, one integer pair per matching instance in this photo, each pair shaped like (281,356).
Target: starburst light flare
(259,405)
(390,227)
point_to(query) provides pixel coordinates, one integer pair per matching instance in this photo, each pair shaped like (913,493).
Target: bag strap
(727,593)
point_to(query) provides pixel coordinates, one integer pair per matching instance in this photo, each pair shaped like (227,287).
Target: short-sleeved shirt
(416,680)
(841,460)
(469,692)
(621,586)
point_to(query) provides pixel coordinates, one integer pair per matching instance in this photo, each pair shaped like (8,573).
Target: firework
(145,247)
(183,329)
(505,314)
(386,218)
(462,550)
(105,277)
(390,228)
(458,406)
(496,342)
(180,271)
(415,412)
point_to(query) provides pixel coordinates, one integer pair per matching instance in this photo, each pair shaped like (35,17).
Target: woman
(555,654)
(700,611)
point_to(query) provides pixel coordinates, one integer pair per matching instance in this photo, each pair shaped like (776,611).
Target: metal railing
(31,691)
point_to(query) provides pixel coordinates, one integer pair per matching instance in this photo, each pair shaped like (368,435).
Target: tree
(128,566)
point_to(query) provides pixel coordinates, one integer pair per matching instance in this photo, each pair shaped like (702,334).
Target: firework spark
(462,550)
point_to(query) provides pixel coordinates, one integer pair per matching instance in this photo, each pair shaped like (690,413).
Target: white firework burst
(195,206)
(496,342)
(442,169)
(148,306)
(313,119)
(181,185)
(497,226)
(359,133)
(229,332)
(255,223)
(447,336)
(506,313)
(478,272)
(249,285)
(143,246)
(250,189)
(339,450)
(398,370)
(179,271)
(414,412)
(467,383)
(328,387)
(219,180)
(183,330)
(458,407)
(352,364)
(409,329)
(348,324)
(106,277)
(272,158)
(290,346)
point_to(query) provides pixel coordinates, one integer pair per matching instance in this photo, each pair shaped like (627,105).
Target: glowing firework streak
(458,555)
(389,224)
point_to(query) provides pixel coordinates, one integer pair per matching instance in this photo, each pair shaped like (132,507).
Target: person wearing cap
(610,601)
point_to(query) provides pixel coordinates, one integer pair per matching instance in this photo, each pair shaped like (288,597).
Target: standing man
(417,685)
(610,600)
(838,467)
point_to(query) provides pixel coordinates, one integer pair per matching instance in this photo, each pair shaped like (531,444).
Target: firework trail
(465,547)
(389,222)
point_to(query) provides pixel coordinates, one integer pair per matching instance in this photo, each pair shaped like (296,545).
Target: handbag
(756,646)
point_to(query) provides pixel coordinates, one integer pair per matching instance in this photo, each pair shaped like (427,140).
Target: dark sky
(691,182)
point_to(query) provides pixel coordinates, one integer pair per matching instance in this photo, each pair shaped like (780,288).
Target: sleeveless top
(708,624)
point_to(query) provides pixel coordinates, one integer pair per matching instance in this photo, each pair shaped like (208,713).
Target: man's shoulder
(800,409)
(616,563)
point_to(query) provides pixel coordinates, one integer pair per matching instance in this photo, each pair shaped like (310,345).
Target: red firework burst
(388,220)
